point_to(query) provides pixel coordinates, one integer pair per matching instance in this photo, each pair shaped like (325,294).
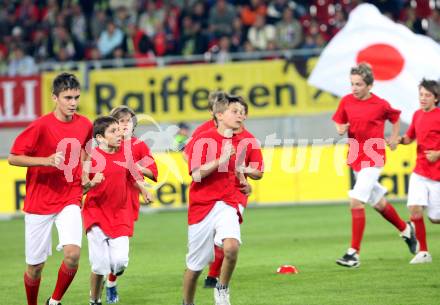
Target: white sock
(110,284)
(53,302)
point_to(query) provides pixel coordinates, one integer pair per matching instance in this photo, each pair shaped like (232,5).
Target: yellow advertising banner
(304,174)
(180,93)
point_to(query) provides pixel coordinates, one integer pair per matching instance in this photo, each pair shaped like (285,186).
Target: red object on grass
(287,269)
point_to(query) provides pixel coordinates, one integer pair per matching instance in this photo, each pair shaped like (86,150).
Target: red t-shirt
(49,189)
(219,185)
(108,204)
(425,128)
(139,152)
(366,131)
(208,125)
(248,151)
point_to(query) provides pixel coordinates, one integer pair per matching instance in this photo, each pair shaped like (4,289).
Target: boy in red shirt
(138,153)
(250,160)
(363,114)
(424,183)
(108,210)
(52,147)
(213,213)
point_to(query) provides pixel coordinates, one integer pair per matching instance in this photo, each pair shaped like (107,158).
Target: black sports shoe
(350,259)
(47,302)
(409,236)
(210,282)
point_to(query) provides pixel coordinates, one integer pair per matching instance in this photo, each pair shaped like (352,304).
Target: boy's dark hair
(240,100)
(363,70)
(101,124)
(122,110)
(432,86)
(64,81)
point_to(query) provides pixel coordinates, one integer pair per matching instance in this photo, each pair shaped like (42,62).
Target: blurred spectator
(123,18)
(3,62)
(118,58)
(277,7)
(199,14)
(238,36)
(21,64)
(61,38)
(261,33)
(181,137)
(78,24)
(221,52)
(95,59)
(288,31)
(192,40)
(40,45)
(150,17)
(221,17)
(110,39)
(433,26)
(250,12)
(98,24)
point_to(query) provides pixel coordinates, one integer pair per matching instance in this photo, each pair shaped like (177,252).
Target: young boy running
(363,114)
(108,209)
(249,159)
(213,213)
(139,153)
(52,148)
(424,183)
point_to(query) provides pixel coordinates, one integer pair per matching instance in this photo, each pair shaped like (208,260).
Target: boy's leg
(69,225)
(215,268)
(200,252)
(38,244)
(119,251)
(189,285)
(230,249)
(99,260)
(96,286)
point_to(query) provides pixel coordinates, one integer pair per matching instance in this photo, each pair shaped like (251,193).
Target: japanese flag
(399,58)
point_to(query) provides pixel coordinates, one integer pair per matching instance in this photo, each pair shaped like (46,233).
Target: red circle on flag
(385,60)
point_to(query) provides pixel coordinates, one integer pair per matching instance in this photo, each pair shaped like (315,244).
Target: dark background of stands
(55,35)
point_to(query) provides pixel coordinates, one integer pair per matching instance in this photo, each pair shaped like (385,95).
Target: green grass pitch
(309,237)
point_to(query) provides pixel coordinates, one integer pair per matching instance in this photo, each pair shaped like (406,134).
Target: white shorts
(38,233)
(423,191)
(367,189)
(107,254)
(222,222)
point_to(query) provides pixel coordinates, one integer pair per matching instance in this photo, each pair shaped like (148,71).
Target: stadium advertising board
(180,93)
(303,174)
(20,100)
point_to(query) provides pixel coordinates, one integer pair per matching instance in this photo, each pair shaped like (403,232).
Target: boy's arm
(341,128)
(146,172)
(394,139)
(432,155)
(28,161)
(253,173)
(97,179)
(405,140)
(146,195)
(207,168)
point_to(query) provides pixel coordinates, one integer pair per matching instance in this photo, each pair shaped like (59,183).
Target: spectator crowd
(65,31)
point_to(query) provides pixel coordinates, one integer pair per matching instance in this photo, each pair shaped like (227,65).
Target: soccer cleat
(112,295)
(221,296)
(210,282)
(409,236)
(95,303)
(48,302)
(350,259)
(422,257)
